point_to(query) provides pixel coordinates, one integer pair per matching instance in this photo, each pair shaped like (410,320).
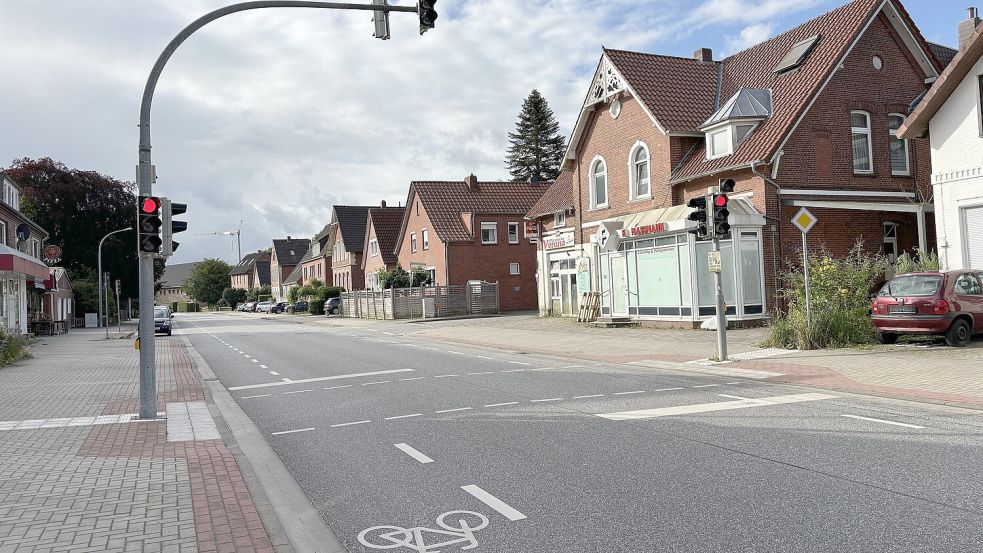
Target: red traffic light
(150,205)
(720,200)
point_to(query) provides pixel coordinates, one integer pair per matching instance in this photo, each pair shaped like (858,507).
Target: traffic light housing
(170,226)
(149,224)
(428,16)
(701,216)
(721,227)
(727,185)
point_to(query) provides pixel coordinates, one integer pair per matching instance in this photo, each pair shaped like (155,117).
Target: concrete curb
(297,519)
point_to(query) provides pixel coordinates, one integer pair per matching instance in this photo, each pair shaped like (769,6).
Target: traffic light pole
(721,308)
(148,369)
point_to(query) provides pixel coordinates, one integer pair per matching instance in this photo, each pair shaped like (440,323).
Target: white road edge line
(349,424)
(906,425)
(731,397)
(414,453)
(706,386)
(336,387)
(251,397)
(320,379)
(454,410)
(502,507)
(414,378)
(713,407)
(376,382)
(402,417)
(292,431)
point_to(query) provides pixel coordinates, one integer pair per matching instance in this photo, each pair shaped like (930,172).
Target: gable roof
(294,276)
(943,53)
(249,262)
(386,222)
(289,250)
(558,197)
(351,222)
(917,123)
(445,201)
(174,275)
(263,271)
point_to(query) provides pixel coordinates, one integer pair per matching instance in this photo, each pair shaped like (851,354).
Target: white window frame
(513,225)
(514,269)
(728,147)
(373,247)
(633,171)
(560,219)
(36,248)
(425,235)
(870,145)
(593,184)
(3,233)
(493,227)
(412,242)
(907,154)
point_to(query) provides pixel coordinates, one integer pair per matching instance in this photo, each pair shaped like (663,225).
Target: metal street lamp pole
(99,268)
(148,369)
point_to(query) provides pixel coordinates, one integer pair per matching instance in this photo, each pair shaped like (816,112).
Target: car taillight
(941,307)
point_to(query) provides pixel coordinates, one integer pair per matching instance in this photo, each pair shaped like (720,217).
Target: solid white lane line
(321,379)
(728,383)
(542,400)
(251,397)
(483,372)
(414,378)
(445,375)
(585,397)
(706,386)
(518,363)
(906,425)
(348,424)
(274,373)
(715,406)
(292,431)
(389,333)
(485,357)
(336,387)
(626,393)
(298,392)
(263,367)
(502,507)
(515,370)
(573,367)
(731,397)
(414,453)
(501,404)
(454,410)
(403,417)
(370,329)
(454,352)
(377,382)
(431,348)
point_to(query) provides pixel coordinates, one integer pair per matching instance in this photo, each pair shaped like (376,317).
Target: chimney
(383,203)
(968,27)
(471,181)
(704,55)
(288,238)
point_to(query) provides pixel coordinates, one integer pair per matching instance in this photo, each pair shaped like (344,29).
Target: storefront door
(570,299)
(619,286)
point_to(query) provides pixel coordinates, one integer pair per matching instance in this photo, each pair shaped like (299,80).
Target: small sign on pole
(805,220)
(713,261)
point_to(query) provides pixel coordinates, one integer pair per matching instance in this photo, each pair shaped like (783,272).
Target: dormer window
(11,195)
(736,120)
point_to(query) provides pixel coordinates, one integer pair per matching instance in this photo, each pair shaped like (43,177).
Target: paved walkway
(79,474)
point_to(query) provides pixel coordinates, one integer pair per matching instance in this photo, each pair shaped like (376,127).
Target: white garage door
(973,236)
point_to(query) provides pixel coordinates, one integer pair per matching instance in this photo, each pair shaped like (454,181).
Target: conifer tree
(536,147)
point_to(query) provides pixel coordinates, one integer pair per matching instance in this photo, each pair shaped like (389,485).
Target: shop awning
(674,218)
(19,262)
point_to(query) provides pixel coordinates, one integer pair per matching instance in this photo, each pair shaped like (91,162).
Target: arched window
(639,172)
(599,183)
(863,156)
(899,147)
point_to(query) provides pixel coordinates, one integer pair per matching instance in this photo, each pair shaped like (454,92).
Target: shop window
(863,156)
(899,147)
(599,184)
(513,233)
(705,291)
(752,279)
(639,172)
(489,233)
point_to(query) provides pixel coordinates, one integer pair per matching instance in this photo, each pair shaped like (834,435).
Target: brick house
(345,242)
(807,119)
(287,253)
(469,230)
(172,284)
(316,263)
(252,272)
(556,254)
(22,273)
(59,298)
(379,249)
(951,114)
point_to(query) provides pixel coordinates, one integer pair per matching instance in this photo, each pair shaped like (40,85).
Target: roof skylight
(797,54)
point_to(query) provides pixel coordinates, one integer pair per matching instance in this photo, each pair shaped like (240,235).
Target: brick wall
(346,270)
(374,263)
(416,221)
(320,268)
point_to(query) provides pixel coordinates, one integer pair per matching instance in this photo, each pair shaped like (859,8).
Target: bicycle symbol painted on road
(415,539)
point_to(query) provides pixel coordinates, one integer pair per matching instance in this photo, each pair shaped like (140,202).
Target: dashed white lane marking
(482,372)
(389,333)
(706,386)
(297,392)
(715,406)
(454,410)
(627,393)
(320,379)
(731,397)
(485,357)
(668,389)
(585,397)
(246,356)
(414,453)
(263,367)
(414,378)
(518,363)
(445,375)
(255,360)
(882,421)
(514,370)
(377,382)
(336,387)
(548,399)
(454,352)
(431,348)
(292,431)
(501,404)
(274,373)
(349,424)
(502,507)
(403,417)
(251,397)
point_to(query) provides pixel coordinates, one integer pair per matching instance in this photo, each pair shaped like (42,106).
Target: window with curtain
(599,178)
(862,152)
(641,186)
(899,147)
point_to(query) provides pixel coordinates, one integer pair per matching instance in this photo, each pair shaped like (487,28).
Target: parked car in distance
(264,306)
(280,307)
(332,306)
(947,304)
(162,320)
(300,307)
(249,306)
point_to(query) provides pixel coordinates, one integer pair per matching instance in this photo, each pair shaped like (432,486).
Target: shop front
(19,273)
(651,268)
(560,256)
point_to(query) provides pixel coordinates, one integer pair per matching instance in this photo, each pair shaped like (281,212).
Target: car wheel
(887,338)
(958,334)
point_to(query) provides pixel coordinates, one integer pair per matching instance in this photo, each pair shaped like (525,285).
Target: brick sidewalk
(70,483)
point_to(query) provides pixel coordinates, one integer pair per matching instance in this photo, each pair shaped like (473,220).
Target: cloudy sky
(273,116)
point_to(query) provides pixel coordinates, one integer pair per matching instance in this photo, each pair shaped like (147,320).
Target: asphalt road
(386,433)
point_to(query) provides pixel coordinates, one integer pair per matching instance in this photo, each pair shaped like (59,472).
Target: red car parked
(949,304)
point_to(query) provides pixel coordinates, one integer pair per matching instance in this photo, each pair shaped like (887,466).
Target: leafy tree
(421,278)
(207,280)
(78,208)
(293,294)
(536,147)
(234,296)
(395,278)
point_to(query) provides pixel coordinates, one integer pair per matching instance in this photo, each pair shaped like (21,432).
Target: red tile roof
(386,222)
(558,197)
(446,201)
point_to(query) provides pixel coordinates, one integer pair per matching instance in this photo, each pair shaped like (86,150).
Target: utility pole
(99,269)
(145,168)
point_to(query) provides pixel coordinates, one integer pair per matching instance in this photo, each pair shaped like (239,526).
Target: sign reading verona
(643,230)
(560,241)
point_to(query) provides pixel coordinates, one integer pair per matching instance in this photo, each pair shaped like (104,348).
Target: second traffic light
(149,224)
(700,216)
(170,226)
(428,15)
(721,226)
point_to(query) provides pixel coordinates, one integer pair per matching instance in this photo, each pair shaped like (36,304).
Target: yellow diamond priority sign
(804,220)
